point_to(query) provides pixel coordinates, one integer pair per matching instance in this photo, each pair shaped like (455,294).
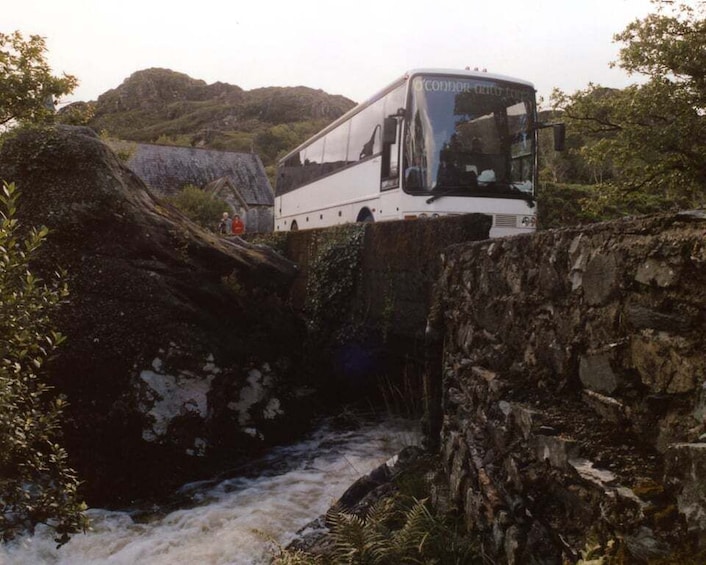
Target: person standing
(225,225)
(237,226)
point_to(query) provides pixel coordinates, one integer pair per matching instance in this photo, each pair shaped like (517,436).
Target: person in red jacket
(237,226)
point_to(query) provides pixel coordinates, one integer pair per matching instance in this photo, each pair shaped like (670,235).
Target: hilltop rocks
(152,103)
(178,346)
(153,89)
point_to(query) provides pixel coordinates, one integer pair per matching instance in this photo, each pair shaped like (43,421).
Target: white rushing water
(233,521)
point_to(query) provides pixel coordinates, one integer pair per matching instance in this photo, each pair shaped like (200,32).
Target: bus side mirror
(559,136)
(389,131)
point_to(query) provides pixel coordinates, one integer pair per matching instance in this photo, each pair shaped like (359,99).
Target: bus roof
(468,73)
(465,73)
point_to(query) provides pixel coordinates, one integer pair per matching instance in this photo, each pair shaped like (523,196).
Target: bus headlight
(528,221)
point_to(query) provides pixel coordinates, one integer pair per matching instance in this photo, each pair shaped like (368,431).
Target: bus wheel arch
(365,215)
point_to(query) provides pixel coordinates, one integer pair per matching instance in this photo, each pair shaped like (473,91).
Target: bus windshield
(469,137)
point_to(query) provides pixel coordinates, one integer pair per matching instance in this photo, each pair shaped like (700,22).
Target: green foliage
(174,140)
(333,277)
(651,137)
(199,206)
(289,557)
(123,149)
(28,90)
(36,483)
(571,166)
(396,529)
(277,240)
(562,205)
(276,140)
(76,114)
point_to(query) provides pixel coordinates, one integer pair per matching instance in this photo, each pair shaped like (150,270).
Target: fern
(298,557)
(397,530)
(418,526)
(349,537)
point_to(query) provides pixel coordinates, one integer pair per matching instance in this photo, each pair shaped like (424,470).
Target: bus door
(390,196)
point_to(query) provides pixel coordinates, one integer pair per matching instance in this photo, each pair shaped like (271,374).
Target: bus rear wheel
(365,215)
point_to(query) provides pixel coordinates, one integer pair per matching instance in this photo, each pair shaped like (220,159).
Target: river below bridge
(236,520)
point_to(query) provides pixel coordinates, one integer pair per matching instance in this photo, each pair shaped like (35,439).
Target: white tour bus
(434,142)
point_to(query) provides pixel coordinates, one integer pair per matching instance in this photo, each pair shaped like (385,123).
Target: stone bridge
(566,371)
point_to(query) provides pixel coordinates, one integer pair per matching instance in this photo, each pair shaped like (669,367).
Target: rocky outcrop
(153,89)
(573,390)
(180,353)
(156,103)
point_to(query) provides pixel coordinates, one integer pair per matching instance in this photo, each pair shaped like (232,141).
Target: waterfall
(236,520)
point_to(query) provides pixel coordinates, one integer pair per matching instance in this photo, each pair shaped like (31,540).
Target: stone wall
(399,263)
(574,399)
(373,327)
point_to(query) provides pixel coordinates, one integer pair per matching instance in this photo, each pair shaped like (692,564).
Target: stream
(237,520)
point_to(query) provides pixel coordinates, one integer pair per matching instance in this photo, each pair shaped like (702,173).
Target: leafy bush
(568,205)
(333,278)
(199,206)
(564,205)
(36,483)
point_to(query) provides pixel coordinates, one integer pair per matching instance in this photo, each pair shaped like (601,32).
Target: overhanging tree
(652,135)
(28,89)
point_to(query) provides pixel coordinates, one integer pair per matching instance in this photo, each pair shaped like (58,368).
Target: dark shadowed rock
(179,349)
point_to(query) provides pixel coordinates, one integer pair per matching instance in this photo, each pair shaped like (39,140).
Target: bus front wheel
(365,215)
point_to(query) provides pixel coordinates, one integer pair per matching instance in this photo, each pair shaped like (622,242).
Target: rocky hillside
(163,106)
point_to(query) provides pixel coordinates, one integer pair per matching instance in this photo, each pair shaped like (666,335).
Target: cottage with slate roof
(237,178)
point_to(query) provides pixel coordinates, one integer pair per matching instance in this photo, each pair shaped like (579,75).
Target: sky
(347,48)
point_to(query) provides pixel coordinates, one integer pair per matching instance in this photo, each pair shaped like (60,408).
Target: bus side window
(312,160)
(290,176)
(335,149)
(367,150)
(365,139)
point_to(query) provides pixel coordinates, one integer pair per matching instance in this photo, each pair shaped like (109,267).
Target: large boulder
(180,352)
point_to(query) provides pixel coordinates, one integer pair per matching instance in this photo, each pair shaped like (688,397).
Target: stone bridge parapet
(574,399)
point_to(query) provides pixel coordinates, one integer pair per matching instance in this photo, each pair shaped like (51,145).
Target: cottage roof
(224,184)
(166,169)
